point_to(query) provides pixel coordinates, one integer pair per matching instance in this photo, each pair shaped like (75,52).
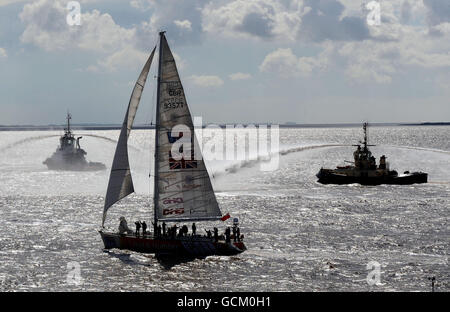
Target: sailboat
(182,187)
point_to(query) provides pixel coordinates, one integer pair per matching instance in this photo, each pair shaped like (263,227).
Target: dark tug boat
(69,155)
(366,172)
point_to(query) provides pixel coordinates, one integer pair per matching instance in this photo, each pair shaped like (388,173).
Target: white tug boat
(69,155)
(182,188)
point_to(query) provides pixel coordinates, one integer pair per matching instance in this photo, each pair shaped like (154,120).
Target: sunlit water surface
(301,235)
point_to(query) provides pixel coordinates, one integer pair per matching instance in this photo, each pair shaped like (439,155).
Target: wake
(249,163)
(252,162)
(42,137)
(422,149)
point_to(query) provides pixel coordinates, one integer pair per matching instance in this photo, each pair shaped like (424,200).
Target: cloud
(264,19)
(372,61)
(185,24)
(206,81)
(412,34)
(181,19)
(7,2)
(366,55)
(125,58)
(142,5)
(313,20)
(3,53)
(239,76)
(324,21)
(406,11)
(438,11)
(46,27)
(286,64)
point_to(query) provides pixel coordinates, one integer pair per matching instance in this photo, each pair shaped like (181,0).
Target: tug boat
(69,155)
(182,187)
(365,171)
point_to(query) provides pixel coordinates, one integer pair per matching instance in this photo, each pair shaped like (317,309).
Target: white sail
(183,189)
(120,182)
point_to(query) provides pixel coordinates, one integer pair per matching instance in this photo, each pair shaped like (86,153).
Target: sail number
(174,89)
(174,92)
(174,103)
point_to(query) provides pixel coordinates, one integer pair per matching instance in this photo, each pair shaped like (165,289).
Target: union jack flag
(182,164)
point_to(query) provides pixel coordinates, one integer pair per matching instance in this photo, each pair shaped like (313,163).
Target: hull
(181,246)
(327,177)
(73,164)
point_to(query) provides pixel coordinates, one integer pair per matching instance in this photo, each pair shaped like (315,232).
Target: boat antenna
(68,122)
(365,135)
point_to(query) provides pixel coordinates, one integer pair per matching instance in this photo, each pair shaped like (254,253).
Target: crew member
(138,227)
(227,235)
(174,231)
(159,230)
(123,227)
(144,228)
(184,230)
(383,162)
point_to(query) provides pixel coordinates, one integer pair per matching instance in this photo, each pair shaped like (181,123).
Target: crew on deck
(171,232)
(372,163)
(382,162)
(123,227)
(144,228)
(138,227)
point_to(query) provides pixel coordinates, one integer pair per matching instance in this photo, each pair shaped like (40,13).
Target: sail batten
(120,182)
(183,190)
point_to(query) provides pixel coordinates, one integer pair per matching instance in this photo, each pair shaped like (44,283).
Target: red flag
(225,217)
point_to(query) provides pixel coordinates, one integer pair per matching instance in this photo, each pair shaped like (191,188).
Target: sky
(240,61)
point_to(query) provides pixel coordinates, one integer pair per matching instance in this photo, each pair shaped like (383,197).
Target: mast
(68,122)
(157,122)
(365,135)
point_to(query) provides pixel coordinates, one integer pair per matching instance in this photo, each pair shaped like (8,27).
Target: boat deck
(193,245)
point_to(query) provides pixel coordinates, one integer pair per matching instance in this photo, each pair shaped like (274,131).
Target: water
(301,235)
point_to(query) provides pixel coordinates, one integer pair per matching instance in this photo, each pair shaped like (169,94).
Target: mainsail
(183,189)
(120,181)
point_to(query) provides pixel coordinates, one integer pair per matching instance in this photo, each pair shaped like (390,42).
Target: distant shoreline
(285,125)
